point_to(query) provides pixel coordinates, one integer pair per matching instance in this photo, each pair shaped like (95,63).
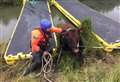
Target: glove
(63,31)
(45,53)
(35,48)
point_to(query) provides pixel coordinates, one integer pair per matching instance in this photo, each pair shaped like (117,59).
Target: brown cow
(70,41)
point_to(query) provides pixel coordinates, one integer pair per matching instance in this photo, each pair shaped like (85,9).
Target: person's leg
(31,68)
(36,62)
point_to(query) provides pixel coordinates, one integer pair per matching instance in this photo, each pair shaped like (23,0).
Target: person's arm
(35,41)
(35,48)
(56,29)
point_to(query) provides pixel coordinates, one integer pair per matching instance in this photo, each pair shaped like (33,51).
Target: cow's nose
(76,50)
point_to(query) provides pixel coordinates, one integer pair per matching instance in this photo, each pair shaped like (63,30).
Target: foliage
(11,2)
(89,40)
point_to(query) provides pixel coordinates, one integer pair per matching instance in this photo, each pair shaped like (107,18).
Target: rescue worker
(40,43)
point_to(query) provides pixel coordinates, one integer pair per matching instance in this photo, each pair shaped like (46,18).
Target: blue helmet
(45,24)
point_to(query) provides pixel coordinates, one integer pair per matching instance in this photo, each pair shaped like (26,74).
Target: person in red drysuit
(39,43)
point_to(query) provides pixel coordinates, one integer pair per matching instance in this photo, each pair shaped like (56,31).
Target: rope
(52,23)
(97,47)
(59,56)
(47,62)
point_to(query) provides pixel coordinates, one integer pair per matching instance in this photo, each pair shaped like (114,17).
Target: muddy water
(114,14)
(8,19)
(110,8)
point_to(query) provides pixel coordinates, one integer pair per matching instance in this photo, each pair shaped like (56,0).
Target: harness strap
(46,40)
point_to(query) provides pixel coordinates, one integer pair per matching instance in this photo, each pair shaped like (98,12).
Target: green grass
(94,72)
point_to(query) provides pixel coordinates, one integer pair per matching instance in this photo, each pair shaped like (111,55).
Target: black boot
(31,68)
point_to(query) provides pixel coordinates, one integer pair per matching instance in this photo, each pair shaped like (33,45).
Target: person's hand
(45,53)
(38,49)
(63,31)
(35,48)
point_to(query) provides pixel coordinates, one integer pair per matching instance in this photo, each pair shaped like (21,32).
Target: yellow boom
(12,59)
(106,46)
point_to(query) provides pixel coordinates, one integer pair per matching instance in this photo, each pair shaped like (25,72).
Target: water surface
(110,8)
(8,19)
